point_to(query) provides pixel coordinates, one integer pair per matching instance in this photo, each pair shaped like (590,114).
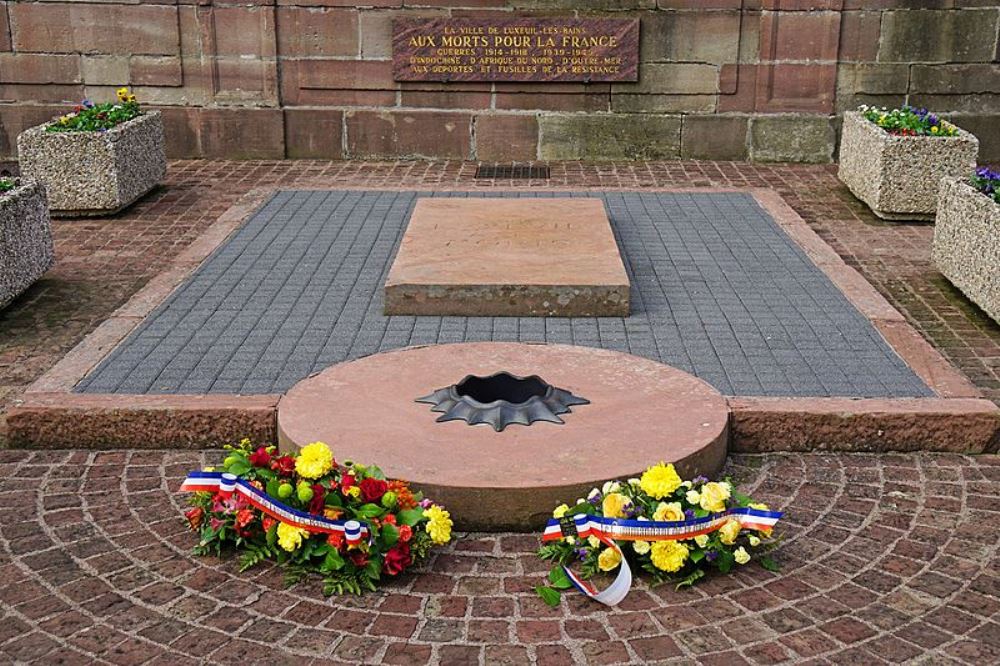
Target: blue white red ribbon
(610,530)
(225,485)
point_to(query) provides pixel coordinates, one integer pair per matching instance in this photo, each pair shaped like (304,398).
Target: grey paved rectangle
(718,289)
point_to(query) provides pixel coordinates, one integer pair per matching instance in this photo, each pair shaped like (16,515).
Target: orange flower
(404,496)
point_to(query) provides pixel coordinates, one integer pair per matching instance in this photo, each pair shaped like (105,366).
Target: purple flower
(595,500)
(698,480)
(711,555)
(581,554)
(689,514)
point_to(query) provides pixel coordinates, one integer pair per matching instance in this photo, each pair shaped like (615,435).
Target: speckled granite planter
(95,173)
(25,238)
(898,176)
(967,243)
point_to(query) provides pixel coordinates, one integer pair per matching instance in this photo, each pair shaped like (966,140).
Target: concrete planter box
(25,238)
(95,173)
(898,176)
(967,243)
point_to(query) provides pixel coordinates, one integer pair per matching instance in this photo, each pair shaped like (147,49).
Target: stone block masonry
(731,79)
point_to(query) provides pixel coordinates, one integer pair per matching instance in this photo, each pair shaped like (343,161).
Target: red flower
(317,503)
(260,458)
(373,489)
(390,519)
(269,522)
(335,539)
(359,558)
(243,519)
(405,533)
(285,465)
(397,559)
(346,482)
(194,515)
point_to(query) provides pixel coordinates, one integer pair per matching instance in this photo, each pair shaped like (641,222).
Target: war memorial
(499,332)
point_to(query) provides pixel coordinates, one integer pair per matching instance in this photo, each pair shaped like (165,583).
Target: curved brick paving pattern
(886,557)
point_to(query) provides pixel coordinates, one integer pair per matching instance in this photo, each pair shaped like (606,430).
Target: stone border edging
(958,420)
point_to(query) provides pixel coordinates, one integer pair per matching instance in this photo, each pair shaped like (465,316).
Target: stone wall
(719,79)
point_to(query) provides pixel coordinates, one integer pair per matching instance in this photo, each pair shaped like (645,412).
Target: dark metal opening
(502,387)
(512,171)
(502,399)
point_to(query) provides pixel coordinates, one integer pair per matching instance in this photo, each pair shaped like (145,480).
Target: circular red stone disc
(640,412)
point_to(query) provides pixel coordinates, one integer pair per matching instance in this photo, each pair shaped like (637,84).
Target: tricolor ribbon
(226,484)
(610,530)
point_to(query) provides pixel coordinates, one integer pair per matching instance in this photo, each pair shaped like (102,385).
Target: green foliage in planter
(90,117)
(908,121)
(6,184)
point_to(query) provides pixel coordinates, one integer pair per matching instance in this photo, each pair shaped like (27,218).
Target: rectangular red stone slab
(508,257)
(490,48)
(105,421)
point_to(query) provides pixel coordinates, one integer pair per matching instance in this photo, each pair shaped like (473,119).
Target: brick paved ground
(719,290)
(886,558)
(102,261)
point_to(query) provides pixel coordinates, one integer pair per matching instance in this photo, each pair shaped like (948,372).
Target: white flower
(692,496)
(611,487)
(594,493)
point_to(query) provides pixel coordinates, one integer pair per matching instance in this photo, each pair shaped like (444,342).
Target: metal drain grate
(512,171)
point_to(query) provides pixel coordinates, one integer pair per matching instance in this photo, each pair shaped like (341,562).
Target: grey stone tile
(717,289)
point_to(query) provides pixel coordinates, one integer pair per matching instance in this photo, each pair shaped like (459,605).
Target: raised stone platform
(640,412)
(508,257)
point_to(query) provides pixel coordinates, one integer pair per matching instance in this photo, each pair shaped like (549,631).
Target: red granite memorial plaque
(515,49)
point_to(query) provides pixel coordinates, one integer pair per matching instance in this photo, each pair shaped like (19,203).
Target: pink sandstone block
(508,257)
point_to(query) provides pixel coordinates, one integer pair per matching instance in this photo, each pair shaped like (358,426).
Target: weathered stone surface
(967,243)
(95,173)
(77,27)
(714,137)
(522,471)
(791,139)
(898,176)
(959,425)
(317,32)
(506,138)
(955,79)
(609,137)
(710,37)
(673,79)
(25,238)
(42,420)
(314,133)
(508,257)
(409,134)
(254,134)
(969,35)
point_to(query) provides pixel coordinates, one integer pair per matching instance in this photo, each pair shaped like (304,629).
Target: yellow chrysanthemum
(314,460)
(290,537)
(668,556)
(613,505)
(742,556)
(438,524)
(671,511)
(729,532)
(560,511)
(659,481)
(714,496)
(609,559)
